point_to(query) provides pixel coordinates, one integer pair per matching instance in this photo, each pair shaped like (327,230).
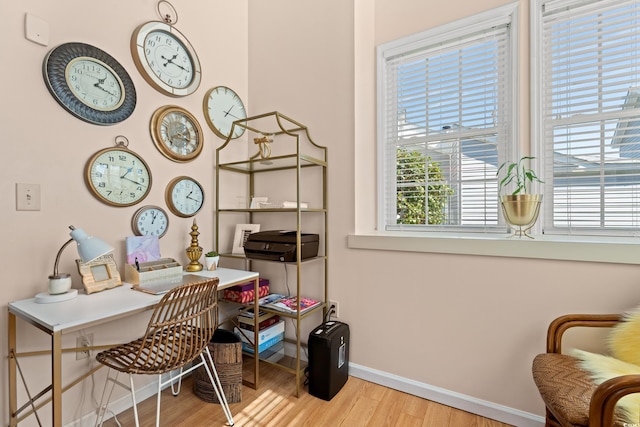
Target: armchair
(571,397)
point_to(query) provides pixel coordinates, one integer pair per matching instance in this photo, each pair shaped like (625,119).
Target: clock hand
(170,61)
(103,89)
(153,218)
(228,112)
(134,181)
(129,179)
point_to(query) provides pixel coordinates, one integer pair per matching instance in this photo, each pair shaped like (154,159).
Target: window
(588,119)
(446,121)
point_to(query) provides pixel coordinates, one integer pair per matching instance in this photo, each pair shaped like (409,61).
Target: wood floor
(359,403)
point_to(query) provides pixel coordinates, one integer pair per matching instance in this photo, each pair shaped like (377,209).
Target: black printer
(279,245)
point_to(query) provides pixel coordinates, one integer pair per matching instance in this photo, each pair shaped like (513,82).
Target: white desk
(82,312)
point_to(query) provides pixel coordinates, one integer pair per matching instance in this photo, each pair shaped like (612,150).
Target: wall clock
(184,196)
(176,133)
(150,221)
(117,176)
(165,58)
(89,83)
(222,106)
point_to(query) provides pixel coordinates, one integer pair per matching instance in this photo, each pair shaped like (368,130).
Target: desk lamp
(89,248)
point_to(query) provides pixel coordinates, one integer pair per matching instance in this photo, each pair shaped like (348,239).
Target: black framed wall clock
(176,133)
(164,56)
(89,83)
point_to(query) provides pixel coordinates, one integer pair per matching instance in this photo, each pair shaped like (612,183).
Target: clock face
(94,83)
(150,221)
(118,177)
(222,106)
(184,196)
(89,83)
(176,133)
(166,59)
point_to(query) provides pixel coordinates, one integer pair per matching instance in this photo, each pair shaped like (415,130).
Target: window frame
(484,20)
(538,145)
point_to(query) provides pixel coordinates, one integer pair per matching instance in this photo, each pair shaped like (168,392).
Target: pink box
(244,293)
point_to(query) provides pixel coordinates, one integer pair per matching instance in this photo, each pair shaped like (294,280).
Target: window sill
(594,249)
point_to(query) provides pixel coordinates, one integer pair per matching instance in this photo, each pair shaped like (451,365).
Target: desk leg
(256,312)
(13,387)
(56,378)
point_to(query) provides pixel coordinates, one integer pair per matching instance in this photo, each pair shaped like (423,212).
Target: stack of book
(245,320)
(287,304)
(270,331)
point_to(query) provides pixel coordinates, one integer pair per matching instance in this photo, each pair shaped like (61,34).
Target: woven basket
(226,350)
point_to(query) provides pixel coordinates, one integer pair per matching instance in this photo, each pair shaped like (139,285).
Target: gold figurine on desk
(194,251)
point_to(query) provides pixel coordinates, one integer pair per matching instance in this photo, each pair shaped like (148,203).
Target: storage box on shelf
(289,166)
(266,337)
(244,293)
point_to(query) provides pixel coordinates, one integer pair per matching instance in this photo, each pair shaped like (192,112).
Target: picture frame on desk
(99,274)
(241,235)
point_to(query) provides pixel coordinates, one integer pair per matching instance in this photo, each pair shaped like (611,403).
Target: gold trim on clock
(176,133)
(135,221)
(118,176)
(222,106)
(184,196)
(165,59)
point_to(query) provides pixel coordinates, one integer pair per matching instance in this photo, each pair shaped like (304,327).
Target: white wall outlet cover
(36,29)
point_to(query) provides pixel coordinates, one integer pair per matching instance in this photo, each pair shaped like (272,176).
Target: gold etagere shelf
(285,146)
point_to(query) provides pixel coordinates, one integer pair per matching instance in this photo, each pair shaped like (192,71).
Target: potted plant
(520,208)
(211,260)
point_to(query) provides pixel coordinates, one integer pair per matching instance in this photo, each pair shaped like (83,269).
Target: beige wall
(46,145)
(468,324)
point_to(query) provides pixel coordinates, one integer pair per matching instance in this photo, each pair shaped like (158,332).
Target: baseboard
(460,401)
(456,400)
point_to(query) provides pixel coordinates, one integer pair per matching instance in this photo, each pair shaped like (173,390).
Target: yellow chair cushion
(624,339)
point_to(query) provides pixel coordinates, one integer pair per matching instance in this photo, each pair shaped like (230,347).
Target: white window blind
(590,116)
(445,116)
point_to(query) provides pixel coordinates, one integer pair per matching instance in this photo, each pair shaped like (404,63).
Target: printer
(279,245)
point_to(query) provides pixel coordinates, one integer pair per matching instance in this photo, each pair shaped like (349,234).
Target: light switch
(28,197)
(36,29)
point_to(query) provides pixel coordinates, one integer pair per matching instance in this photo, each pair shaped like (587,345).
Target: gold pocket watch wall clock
(184,196)
(176,133)
(150,221)
(222,106)
(164,56)
(117,176)
(89,83)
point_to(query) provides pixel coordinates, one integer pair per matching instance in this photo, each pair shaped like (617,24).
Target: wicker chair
(571,398)
(178,333)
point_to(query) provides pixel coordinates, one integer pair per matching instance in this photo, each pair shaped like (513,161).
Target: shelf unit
(294,167)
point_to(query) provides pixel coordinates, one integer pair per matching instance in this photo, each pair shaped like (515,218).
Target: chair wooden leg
(215,382)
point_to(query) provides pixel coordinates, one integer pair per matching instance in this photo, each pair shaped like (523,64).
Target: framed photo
(99,274)
(240,238)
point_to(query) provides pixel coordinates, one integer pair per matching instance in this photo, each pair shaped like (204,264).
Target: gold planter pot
(521,211)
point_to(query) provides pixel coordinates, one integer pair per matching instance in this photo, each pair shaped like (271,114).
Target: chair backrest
(181,326)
